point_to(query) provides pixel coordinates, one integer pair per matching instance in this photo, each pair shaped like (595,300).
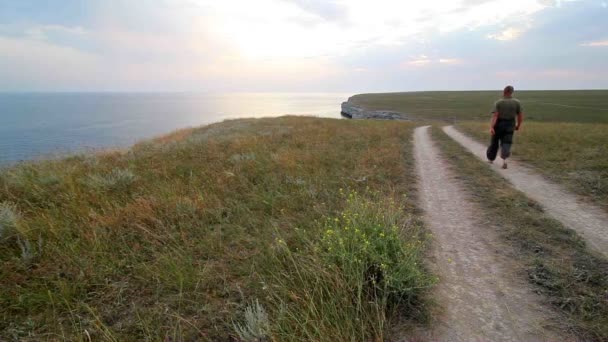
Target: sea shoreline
(34,126)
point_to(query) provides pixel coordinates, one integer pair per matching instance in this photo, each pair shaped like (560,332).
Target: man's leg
(506,142)
(492,150)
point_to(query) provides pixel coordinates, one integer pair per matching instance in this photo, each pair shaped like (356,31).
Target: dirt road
(588,221)
(481,297)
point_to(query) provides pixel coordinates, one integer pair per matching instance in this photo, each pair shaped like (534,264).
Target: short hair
(509,89)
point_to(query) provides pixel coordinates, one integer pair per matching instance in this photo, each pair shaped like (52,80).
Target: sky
(302,45)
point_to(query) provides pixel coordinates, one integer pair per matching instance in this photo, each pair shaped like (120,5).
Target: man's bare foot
(490,161)
(504,165)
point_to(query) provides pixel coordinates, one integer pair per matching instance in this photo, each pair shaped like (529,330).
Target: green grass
(545,106)
(349,284)
(574,154)
(250,228)
(553,258)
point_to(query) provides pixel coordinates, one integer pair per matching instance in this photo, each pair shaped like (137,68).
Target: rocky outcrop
(353,111)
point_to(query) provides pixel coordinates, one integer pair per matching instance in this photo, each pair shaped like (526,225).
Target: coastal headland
(302,228)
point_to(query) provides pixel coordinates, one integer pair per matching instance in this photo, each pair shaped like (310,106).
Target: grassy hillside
(566,106)
(243,229)
(565,135)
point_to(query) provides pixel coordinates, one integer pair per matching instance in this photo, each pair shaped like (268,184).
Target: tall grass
(349,284)
(171,239)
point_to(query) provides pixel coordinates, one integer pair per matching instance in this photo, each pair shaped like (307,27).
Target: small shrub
(49,180)
(17,178)
(256,326)
(186,208)
(365,243)
(235,158)
(8,217)
(118,179)
(90,160)
(27,252)
(349,281)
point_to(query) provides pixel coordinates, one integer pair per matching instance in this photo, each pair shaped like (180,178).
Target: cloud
(43,31)
(596,43)
(548,75)
(134,61)
(424,61)
(272,28)
(451,61)
(38,64)
(326,9)
(293,44)
(508,34)
(418,62)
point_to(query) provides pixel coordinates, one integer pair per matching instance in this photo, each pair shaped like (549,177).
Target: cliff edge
(352,111)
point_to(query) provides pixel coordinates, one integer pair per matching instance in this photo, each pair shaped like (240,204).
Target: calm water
(39,125)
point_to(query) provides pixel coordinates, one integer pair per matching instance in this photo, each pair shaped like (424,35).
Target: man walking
(503,125)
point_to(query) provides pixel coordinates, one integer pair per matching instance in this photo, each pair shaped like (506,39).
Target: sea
(50,125)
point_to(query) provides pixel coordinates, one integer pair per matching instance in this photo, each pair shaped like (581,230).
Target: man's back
(507,108)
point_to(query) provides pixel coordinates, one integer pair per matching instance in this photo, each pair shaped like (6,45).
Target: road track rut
(589,221)
(481,297)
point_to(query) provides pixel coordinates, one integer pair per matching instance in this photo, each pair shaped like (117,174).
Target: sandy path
(589,221)
(481,296)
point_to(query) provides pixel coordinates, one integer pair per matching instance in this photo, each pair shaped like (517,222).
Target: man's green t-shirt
(507,108)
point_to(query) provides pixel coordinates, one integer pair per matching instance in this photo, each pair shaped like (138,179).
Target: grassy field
(565,135)
(574,154)
(553,258)
(562,106)
(289,229)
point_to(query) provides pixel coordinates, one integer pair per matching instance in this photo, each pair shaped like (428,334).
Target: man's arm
(520,119)
(493,123)
(520,116)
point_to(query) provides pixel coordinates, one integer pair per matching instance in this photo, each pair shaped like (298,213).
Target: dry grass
(176,237)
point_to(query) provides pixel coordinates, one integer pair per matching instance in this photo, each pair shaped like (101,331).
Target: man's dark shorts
(502,138)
